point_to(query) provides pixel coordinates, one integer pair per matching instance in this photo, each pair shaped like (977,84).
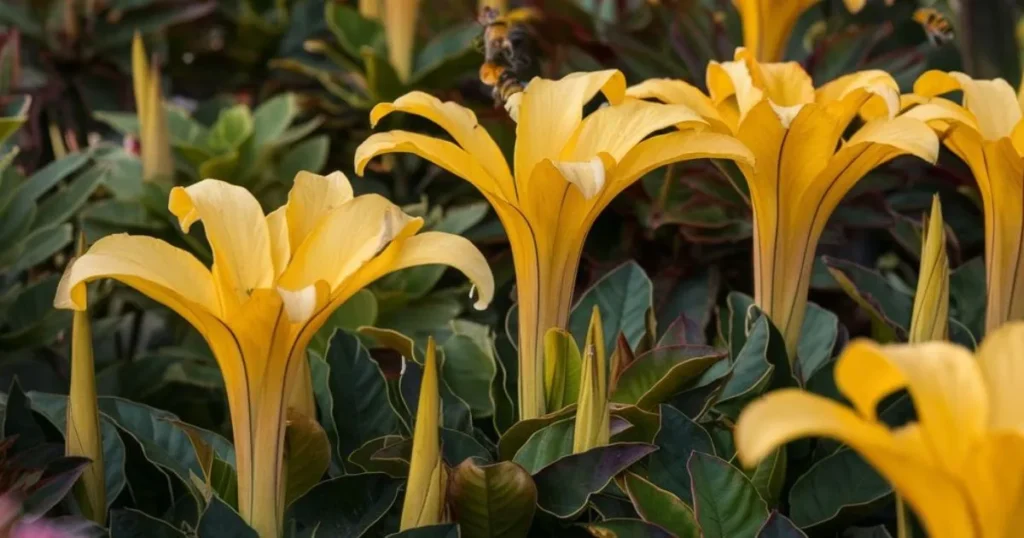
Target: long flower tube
(987,133)
(275,280)
(959,465)
(767,24)
(568,168)
(804,166)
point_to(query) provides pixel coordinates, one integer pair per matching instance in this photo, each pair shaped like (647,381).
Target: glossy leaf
(678,438)
(447,530)
(221,521)
(779,526)
(840,482)
(726,503)
(492,501)
(521,431)
(563,366)
(626,528)
(623,297)
(564,487)
(346,506)
(128,523)
(661,507)
(547,445)
(661,372)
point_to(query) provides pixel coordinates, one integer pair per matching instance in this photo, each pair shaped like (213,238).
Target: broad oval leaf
(346,506)
(661,507)
(661,372)
(678,438)
(221,521)
(492,501)
(546,445)
(623,296)
(839,482)
(564,487)
(516,436)
(726,503)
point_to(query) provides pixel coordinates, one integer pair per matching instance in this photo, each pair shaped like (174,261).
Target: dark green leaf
(842,481)
(677,439)
(818,337)
(352,31)
(128,523)
(779,526)
(221,521)
(726,503)
(751,370)
(492,501)
(967,296)
(564,487)
(547,445)
(272,118)
(308,455)
(363,456)
(50,175)
(19,421)
(469,369)
(347,506)
(361,408)
(662,508)
(42,244)
(54,408)
(520,432)
(309,155)
(623,296)
(658,374)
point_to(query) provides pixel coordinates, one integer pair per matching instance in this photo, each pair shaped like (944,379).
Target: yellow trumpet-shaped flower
(567,169)
(82,432)
(275,280)
(767,24)
(930,318)
(400,30)
(425,491)
(592,415)
(986,133)
(960,466)
(154,137)
(803,167)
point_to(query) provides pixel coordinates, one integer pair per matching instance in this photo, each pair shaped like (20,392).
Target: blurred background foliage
(258,89)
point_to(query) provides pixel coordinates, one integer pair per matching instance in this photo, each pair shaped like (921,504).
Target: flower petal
(459,122)
(786,84)
(943,380)
(767,25)
(1001,359)
(678,92)
(1000,177)
(237,232)
(452,250)
(616,129)
(345,240)
(440,152)
(587,176)
(311,198)
(280,246)
(551,111)
(993,102)
(732,80)
(167,274)
(790,414)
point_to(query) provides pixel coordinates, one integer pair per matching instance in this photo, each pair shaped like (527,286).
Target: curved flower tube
(568,168)
(960,466)
(275,280)
(767,24)
(986,133)
(804,167)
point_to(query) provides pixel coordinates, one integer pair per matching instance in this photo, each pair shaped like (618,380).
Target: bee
(936,26)
(504,40)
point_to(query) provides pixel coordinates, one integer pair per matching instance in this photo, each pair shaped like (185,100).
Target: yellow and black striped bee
(936,26)
(505,54)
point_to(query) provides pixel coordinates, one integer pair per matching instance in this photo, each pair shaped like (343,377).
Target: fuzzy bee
(936,26)
(505,56)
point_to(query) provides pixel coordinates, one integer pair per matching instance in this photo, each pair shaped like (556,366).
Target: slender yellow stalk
(370,9)
(804,166)
(592,415)
(987,133)
(959,465)
(154,137)
(767,24)
(83,436)
(400,29)
(275,280)
(425,490)
(568,168)
(930,319)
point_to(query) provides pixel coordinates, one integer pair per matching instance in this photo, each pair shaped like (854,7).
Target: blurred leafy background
(259,89)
